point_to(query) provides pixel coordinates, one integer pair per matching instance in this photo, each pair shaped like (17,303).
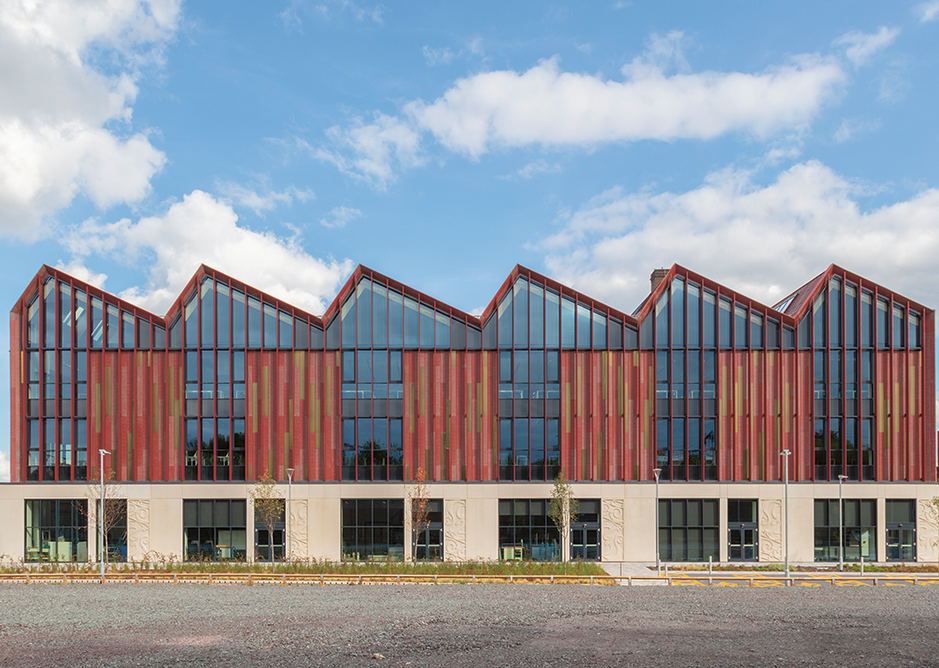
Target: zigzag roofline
(789,310)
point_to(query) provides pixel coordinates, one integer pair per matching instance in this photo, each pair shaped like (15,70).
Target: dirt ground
(475,626)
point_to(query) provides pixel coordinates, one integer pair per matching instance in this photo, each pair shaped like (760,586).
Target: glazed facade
(700,382)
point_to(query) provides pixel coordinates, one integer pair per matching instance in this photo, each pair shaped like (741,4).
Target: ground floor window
(116,526)
(742,530)
(860,530)
(901,530)
(428,544)
(585,531)
(269,530)
(526,531)
(373,529)
(56,530)
(688,529)
(215,529)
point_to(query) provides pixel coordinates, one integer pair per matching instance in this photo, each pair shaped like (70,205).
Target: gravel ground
(475,626)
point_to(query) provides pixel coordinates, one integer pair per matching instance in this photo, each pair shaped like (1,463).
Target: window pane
(363,314)
(521,313)
(678,312)
(395,319)
(552,319)
(379,316)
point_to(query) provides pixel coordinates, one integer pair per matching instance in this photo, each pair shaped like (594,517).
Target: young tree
(268,507)
(562,509)
(115,510)
(420,516)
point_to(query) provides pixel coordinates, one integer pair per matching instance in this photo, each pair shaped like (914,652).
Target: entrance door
(430,543)
(742,530)
(585,541)
(901,543)
(742,543)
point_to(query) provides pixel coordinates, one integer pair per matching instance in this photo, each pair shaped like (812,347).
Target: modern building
(701,386)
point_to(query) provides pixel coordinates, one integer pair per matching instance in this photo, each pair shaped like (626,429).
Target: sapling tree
(420,513)
(562,509)
(268,507)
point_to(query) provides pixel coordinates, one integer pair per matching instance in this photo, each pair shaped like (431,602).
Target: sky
(441,144)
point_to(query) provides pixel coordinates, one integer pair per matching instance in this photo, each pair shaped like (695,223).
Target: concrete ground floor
(484,521)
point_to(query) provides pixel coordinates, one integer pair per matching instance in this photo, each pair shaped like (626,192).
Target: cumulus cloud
(860,46)
(4,467)
(927,11)
(340,215)
(265,200)
(552,108)
(65,125)
(202,229)
(761,240)
(658,98)
(377,149)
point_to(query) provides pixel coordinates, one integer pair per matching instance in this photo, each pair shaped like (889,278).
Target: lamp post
(102,543)
(785,454)
(289,504)
(841,479)
(658,566)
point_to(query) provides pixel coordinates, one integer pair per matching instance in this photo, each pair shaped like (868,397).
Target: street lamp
(102,544)
(841,479)
(785,454)
(289,504)
(658,567)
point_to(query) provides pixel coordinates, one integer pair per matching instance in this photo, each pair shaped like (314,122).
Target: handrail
(137,577)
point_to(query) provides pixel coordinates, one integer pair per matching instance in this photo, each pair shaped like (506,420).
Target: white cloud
(532,169)
(851,127)
(4,467)
(377,149)
(547,107)
(860,46)
(441,56)
(77,269)
(340,216)
(927,11)
(266,200)
(761,240)
(201,229)
(337,7)
(64,125)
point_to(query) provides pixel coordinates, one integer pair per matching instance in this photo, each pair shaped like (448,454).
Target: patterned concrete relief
(300,529)
(612,529)
(771,547)
(138,528)
(927,531)
(454,529)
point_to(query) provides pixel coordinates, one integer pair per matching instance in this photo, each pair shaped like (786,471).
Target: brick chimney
(658,275)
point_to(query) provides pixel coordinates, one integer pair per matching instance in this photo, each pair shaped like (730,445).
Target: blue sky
(286,142)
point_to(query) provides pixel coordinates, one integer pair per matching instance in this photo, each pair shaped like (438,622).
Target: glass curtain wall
(687,327)
(220,324)
(377,325)
(65,328)
(848,323)
(533,324)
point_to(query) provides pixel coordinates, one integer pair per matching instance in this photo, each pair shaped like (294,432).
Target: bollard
(862,564)
(710,563)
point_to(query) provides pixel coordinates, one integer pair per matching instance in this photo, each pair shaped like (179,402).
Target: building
(701,383)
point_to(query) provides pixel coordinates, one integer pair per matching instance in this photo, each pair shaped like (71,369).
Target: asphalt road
(475,626)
